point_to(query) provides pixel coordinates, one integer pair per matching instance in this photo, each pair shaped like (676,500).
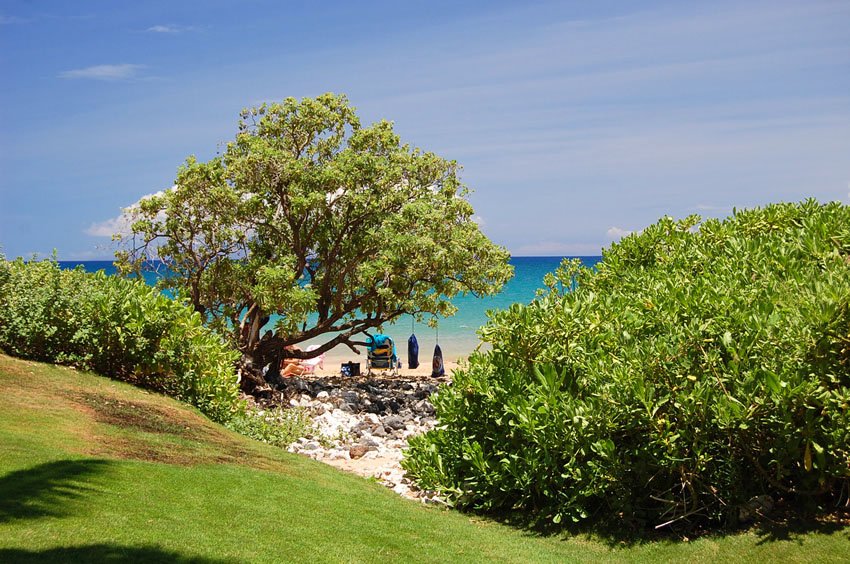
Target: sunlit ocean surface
(457,334)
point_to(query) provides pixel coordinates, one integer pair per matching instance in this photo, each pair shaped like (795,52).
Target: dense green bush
(277,426)
(117,327)
(697,367)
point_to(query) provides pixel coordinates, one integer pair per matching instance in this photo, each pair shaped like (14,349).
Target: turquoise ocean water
(457,334)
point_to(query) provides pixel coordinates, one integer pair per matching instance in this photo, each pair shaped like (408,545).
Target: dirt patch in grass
(109,420)
(138,416)
(138,430)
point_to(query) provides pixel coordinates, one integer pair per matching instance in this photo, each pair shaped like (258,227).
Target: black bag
(350,369)
(437,368)
(413,352)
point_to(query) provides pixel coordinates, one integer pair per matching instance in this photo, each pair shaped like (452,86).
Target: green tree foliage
(119,328)
(306,212)
(698,366)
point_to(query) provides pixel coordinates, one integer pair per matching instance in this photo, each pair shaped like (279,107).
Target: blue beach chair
(381,355)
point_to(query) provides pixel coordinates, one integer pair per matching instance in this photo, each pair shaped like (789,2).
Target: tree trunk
(250,376)
(265,354)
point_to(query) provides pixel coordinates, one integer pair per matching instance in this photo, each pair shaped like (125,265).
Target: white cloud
(478,220)
(121,224)
(104,72)
(618,232)
(168,28)
(108,228)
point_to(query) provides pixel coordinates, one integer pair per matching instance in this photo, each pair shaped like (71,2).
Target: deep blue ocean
(457,334)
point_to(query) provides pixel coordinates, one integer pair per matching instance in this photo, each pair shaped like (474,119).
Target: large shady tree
(332,228)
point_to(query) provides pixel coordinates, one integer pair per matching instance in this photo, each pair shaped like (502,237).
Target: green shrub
(279,427)
(697,366)
(116,327)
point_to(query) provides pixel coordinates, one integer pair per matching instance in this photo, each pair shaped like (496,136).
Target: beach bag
(437,368)
(350,369)
(412,352)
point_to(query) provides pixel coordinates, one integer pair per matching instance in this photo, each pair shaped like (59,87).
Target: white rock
(337,422)
(372,418)
(401,489)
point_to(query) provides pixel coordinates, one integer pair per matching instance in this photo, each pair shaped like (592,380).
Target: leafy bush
(278,427)
(697,367)
(117,327)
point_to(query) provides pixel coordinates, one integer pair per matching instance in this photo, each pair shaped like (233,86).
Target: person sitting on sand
(291,366)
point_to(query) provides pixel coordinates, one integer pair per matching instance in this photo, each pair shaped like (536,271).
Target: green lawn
(94,470)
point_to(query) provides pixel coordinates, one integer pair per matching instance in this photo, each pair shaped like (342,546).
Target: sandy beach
(332,367)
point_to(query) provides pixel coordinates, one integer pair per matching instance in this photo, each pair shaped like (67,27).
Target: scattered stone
(298,384)
(393,422)
(371,443)
(362,426)
(361,419)
(372,418)
(424,406)
(357,451)
(350,396)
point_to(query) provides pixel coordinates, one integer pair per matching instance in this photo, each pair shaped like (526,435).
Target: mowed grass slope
(93,470)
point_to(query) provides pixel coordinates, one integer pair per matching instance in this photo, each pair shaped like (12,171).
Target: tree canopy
(307,212)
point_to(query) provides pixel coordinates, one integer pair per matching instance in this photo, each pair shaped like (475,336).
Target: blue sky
(575,122)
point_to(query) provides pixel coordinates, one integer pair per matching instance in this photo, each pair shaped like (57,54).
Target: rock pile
(363,423)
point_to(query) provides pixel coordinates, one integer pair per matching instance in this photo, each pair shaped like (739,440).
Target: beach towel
(437,368)
(380,342)
(413,352)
